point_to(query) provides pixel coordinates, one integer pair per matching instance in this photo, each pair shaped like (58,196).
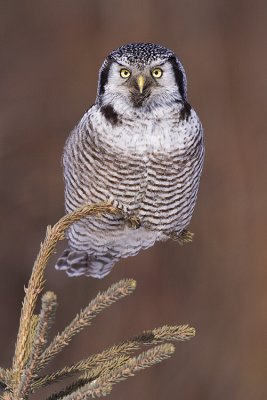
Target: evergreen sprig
(96,374)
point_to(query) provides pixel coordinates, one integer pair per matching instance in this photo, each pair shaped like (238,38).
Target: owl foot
(183,237)
(131,220)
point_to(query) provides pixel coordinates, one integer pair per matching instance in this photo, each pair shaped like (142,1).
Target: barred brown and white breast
(140,146)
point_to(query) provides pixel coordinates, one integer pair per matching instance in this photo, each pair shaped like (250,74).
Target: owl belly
(148,174)
(162,196)
(160,192)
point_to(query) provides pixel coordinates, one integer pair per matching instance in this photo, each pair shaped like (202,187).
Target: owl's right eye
(125,73)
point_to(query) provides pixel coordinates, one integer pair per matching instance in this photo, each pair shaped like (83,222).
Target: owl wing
(189,168)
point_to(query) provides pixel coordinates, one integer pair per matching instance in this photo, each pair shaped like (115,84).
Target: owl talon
(132,220)
(183,237)
(117,204)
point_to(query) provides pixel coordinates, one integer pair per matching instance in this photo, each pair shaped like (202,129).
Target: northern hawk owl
(140,147)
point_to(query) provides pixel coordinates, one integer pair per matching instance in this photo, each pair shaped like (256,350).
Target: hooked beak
(140,83)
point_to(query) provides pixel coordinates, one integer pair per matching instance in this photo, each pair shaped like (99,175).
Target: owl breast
(150,166)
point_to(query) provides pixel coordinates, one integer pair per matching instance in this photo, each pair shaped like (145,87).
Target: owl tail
(77,263)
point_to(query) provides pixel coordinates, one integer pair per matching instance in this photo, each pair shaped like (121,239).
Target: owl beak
(140,83)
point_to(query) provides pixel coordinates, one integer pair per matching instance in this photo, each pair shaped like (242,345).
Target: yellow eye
(125,73)
(157,73)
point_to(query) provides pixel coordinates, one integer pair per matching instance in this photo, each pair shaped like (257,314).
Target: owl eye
(125,73)
(157,73)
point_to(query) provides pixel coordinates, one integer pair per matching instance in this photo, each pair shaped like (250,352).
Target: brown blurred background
(50,55)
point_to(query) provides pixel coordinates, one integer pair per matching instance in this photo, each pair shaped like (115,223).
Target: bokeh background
(50,55)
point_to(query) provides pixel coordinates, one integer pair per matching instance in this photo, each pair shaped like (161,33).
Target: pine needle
(105,367)
(6,396)
(177,333)
(2,375)
(7,375)
(45,321)
(31,335)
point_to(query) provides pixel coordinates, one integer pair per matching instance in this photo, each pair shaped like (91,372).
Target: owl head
(141,75)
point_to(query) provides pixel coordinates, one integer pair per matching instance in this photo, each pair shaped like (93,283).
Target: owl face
(141,76)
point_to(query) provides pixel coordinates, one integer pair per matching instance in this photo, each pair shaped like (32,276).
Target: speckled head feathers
(141,54)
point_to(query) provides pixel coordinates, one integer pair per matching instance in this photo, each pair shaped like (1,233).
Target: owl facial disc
(141,75)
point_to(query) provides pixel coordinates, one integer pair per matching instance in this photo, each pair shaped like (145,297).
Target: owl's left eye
(157,73)
(125,73)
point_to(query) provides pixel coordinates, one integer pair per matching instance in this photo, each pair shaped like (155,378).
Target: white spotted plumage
(142,151)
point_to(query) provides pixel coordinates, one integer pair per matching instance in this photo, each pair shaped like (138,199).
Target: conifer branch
(103,385)
(98,373)
(155,336)
(102,300)
(36,283)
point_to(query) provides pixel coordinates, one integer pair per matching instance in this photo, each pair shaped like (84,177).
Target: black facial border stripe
(178,76)
(103,78)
